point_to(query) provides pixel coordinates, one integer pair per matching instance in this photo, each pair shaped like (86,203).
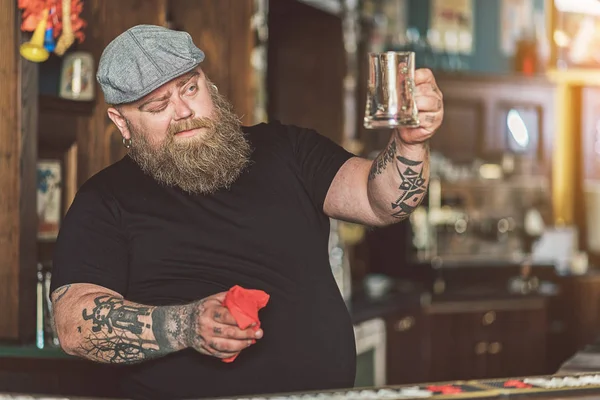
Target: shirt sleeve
(92,245)
(319,159)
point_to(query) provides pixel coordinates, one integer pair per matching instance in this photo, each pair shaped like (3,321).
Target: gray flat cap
(142,59)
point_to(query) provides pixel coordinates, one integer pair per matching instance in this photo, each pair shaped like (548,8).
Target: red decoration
(444,389)
(32,14)
(513,383)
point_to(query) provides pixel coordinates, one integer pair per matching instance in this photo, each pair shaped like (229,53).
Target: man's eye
(157,110)
(192,88)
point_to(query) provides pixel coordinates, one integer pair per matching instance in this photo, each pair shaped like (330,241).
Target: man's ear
(119,120)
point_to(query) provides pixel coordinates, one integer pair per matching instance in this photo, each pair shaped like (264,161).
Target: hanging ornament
(49,37)
(34,49)
(67,38)
(64,22)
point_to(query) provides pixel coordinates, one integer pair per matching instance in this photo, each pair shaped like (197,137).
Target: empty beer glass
(390,92)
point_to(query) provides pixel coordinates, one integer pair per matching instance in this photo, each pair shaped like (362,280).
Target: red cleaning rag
(244,304)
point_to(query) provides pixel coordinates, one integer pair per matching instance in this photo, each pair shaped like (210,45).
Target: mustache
(189,124)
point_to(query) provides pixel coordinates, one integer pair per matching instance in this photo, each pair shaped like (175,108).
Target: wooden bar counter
(584,385)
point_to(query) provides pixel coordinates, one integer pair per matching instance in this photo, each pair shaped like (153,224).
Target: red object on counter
(444,389)
(244,305)
(513,383)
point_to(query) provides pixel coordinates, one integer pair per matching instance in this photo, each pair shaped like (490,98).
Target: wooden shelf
(56,104)
(60,120)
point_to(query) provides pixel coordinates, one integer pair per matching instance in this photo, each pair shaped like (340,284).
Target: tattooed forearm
(398,177)
(382,160)
(117,331)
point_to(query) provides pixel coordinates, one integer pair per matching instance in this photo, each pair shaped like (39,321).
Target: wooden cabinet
(474,339)
(465,334)
(516,341)
(573,317)
(407,347)
(457,352)
(485,339)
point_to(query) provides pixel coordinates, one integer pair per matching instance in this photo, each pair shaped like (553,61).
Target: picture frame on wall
(77,80)
(451,26)
(49,197)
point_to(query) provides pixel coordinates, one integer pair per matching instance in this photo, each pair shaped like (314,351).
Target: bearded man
(152,243)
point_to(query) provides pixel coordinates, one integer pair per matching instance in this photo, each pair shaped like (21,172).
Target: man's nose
(182,110)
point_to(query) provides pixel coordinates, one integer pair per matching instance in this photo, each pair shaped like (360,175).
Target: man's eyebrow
(185,80)
(163,98)
(180,83)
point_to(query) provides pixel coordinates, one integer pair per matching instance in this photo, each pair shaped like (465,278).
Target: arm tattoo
(170,325)
(125,333)
(118,348)
(193,336)
(413,186)
(110,313)
(382,160)
(60,292)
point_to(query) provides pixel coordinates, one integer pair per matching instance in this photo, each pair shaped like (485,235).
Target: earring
(215,87)
(127,143)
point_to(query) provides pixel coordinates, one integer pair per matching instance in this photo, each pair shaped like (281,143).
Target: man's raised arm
(389,188)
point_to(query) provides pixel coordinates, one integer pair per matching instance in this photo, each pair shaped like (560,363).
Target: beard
(203,164)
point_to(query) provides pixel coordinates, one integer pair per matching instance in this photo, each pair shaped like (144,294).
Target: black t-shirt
(160,246)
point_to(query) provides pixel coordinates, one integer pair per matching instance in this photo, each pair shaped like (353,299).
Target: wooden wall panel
(9,171)
(208,23)
(241,42)
(18,153)
(28,117)
(306,67)
(222,30)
